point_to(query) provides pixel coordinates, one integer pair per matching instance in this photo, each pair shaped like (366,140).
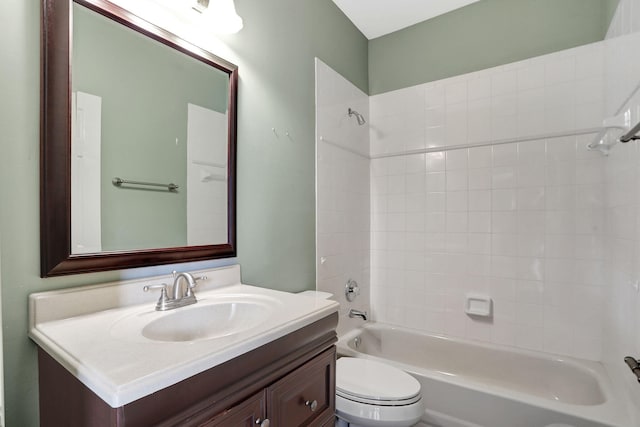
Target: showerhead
(359,117)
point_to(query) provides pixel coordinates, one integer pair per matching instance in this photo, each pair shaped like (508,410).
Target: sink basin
(206,320)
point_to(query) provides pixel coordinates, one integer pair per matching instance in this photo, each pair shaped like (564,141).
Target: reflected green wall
(483,35)
(276,197)
(144,126)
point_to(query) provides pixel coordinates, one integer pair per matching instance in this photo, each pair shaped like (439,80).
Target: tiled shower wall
(342,205)
(622,211)
(522,223)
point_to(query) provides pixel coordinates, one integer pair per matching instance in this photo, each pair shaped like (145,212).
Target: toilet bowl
(373,394)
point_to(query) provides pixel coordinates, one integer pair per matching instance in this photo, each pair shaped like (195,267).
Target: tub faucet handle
(351,290)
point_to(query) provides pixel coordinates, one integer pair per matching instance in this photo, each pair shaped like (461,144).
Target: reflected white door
(206,176)
(86,139)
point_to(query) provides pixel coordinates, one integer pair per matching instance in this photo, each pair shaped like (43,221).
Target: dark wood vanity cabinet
(290,382)
(305,397)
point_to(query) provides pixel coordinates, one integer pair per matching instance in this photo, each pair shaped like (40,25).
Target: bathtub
(467,384)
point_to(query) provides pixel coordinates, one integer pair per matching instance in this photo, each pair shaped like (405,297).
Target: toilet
(373,394)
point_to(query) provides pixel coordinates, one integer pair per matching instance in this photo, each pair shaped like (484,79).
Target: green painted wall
(483,35)
(144,126)
(275,53)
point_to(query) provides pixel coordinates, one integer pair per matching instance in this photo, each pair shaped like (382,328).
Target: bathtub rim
(611,412)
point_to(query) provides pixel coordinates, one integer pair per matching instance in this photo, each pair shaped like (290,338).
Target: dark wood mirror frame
(56,258)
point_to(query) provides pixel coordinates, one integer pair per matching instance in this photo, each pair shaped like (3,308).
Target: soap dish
(478,305)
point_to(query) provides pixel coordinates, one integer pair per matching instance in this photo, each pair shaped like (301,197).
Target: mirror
(138,143)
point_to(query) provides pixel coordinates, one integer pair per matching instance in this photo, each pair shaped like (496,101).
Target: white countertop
(121,368)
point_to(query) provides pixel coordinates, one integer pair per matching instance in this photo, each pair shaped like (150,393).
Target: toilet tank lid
(374,380)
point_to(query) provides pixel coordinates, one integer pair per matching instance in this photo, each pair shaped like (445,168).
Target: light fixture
(219,16)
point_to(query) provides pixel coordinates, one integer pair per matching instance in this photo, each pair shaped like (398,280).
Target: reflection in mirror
(145,113)
(138,143)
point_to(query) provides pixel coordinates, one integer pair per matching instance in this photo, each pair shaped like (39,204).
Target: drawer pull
(313,405)
(263,423)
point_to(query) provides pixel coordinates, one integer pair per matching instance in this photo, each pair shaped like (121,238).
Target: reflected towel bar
(119,181)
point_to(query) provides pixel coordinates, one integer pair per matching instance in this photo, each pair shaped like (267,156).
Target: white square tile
(480,157)
(531,77)
(505,155)
(503,177)
(436,182)
(436,162)
(504,222)
(503,199)
(435,136)
(457,222)
(415,163)
(456,242)
(531,198)
(504,244)
(396,184)
(559,70)
(415,183)
(532,269)
(478,88)
(415,221)
(434,96)
(436,222)
(504,266)
(560,245)
(480,200)
(456,159)
(504,105)
(531,100)
(456,180)
(480,222)
(559,222)
(436,202)
(457,201)
(415,203)
(503,83)
(531,245)
(480,179)
(456,93)
(435,116)
(479,243)
(435,242)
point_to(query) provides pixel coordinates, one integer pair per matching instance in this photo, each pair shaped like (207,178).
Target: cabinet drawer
(244,414)
(306,396)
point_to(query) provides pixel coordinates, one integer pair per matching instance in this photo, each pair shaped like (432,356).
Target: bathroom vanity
(276,368)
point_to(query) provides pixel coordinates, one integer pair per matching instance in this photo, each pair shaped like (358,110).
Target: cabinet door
(306,396)
(245,414)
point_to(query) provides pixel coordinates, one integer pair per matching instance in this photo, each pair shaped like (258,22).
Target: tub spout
(358,313)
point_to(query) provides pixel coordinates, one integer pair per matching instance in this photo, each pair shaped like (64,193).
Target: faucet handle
(163,287)
(164,299)
(191,285)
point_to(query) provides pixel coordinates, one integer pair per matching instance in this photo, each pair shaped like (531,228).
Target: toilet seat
(374,383)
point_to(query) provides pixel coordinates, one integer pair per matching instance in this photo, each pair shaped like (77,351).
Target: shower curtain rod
(542,137)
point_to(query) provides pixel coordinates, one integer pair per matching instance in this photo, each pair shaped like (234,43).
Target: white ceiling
(376,18)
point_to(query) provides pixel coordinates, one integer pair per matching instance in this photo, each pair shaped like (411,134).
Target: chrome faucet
(188,293)
(358,313)
(180,298)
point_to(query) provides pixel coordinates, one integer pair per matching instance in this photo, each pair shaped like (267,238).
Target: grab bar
(634,365)
(119,181)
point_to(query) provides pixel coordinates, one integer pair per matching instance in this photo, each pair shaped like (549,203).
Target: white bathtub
(466,384)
